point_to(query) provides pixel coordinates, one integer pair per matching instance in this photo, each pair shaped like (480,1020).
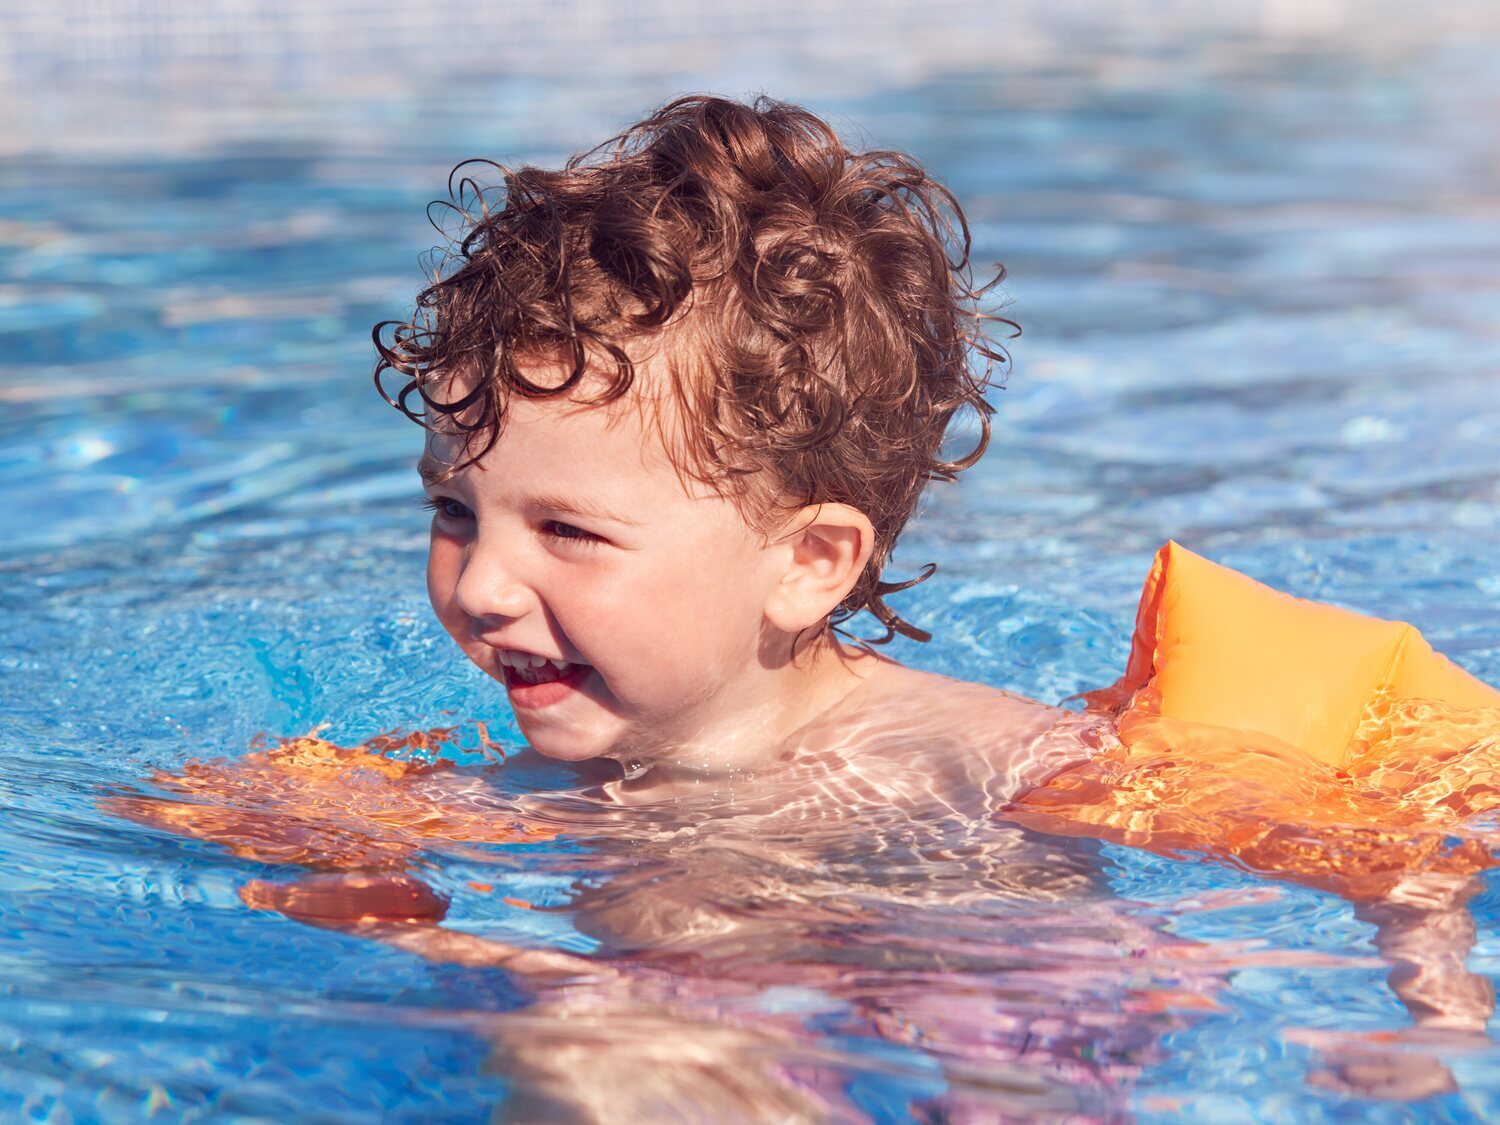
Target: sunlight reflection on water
(1255,262)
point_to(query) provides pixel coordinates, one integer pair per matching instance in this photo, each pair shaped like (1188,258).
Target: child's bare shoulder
(934,723)
(948,702)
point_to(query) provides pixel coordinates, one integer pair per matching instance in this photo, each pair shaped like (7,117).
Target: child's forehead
(573,434)
(649,413)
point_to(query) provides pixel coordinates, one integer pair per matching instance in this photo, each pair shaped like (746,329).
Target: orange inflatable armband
(1295,738)
(1215,647)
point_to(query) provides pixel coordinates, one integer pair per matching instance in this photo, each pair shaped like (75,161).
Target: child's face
(574,539)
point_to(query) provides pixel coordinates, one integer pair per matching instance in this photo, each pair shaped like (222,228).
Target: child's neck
(789,702)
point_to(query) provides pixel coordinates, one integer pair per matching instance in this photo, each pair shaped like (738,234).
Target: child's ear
(826,547)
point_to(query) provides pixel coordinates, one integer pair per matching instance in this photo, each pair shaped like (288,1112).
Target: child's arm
(405,912)
(599,1043)
(1425,931)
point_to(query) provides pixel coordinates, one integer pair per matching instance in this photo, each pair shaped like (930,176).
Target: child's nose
(489,586)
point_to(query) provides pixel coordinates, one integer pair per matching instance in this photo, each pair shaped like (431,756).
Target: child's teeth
(533,668)
(548,671)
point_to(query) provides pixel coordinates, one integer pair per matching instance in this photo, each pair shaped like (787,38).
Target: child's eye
(559,530)
(446,506)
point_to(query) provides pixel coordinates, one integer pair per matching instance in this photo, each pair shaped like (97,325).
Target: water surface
(1258,285)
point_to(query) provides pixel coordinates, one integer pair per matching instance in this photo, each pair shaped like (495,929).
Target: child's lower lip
(533,697)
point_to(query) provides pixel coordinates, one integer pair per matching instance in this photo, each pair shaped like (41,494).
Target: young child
(681,399)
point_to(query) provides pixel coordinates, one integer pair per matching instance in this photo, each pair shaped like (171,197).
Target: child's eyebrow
(581,508)
(433,472)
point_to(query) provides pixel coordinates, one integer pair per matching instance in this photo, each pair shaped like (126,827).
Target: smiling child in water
(682,397)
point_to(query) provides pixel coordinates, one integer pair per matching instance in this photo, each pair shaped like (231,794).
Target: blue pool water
(1260,287)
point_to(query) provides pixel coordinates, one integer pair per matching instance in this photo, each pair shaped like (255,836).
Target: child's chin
(561,748)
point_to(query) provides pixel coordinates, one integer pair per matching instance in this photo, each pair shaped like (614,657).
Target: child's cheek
(707,608)
(444,567)
(636,619)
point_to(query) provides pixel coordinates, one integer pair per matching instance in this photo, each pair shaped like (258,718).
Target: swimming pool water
(1260,297)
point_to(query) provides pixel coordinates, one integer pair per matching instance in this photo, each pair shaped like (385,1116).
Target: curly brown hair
(824,322)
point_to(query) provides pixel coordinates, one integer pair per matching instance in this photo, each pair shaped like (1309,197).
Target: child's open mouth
(542,685)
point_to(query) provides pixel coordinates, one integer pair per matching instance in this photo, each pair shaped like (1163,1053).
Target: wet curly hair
(819,306)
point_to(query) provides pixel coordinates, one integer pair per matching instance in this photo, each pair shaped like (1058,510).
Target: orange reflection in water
(309,802)
(1416,775)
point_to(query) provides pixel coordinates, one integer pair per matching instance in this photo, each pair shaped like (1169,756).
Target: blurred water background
(1255,250)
